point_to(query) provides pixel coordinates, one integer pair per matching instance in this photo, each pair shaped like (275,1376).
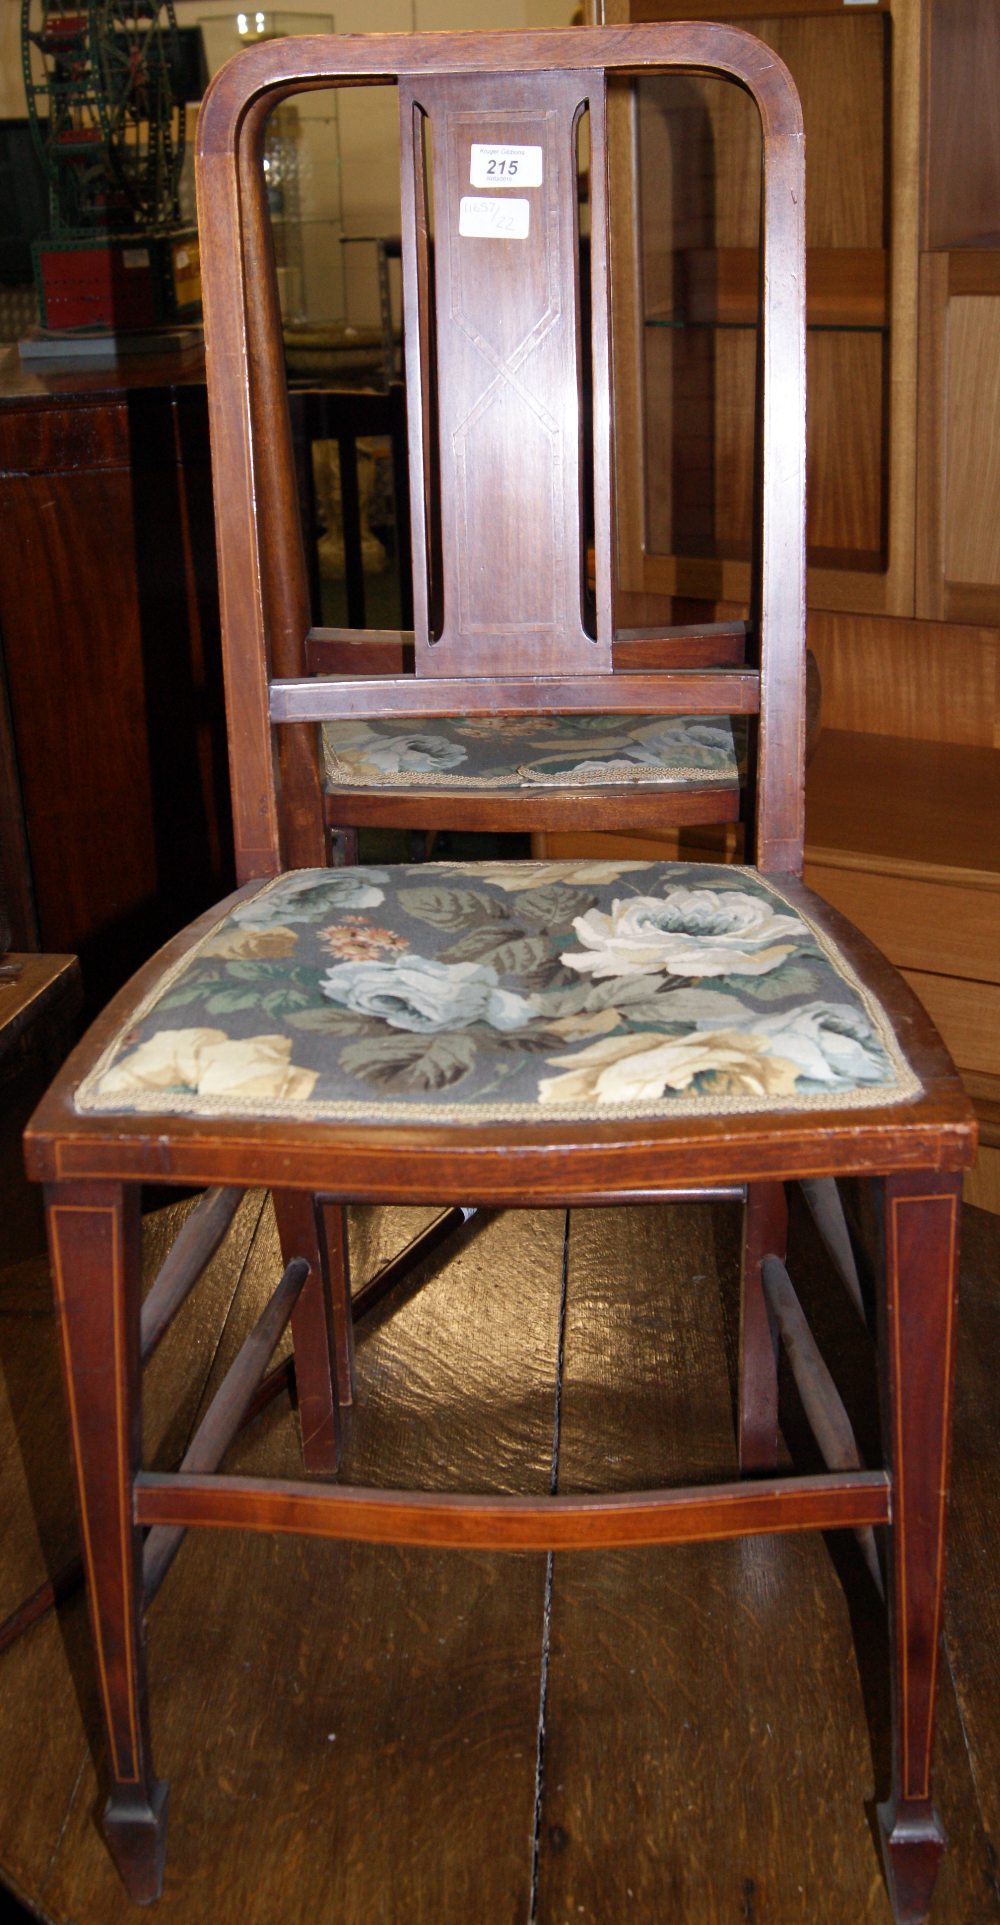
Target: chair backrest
(494,365)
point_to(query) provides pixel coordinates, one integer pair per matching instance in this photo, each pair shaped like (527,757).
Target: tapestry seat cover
(534,991)
(555,751)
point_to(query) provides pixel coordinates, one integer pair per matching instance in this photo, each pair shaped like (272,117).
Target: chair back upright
(495,361)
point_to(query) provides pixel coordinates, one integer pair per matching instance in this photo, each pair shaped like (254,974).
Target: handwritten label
(492,220)
(505,166)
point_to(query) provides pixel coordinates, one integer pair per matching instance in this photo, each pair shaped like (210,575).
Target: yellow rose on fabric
(514,876)
(629,1069)
(207,1062)
(238,944)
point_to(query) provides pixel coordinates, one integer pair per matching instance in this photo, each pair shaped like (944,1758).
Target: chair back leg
(765,1233)
(918,1311)
(323,1357)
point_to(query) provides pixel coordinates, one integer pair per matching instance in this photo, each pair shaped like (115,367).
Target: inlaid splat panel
(500,367)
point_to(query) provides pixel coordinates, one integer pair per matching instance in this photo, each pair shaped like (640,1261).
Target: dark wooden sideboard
(112,746)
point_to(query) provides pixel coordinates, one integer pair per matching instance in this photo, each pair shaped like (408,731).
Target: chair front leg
(918,1330)
(94,1245)
(765,1233)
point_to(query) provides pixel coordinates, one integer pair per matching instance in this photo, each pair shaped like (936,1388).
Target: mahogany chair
(501,1034)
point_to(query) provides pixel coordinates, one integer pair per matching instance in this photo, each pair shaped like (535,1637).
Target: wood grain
(94,1161)
(415,1654)
(965,1011)
(927,807)
(981,1186)
(972,541)
(973,1621)
(924,923)
(927,680)
(963,184)
(676,1773)
(475,293)
(37,988)
(858,75)
(371,1714)
(105,503)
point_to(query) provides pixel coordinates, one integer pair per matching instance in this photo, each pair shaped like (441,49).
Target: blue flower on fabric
(417,993)
(411,751)
(831,1044)
(315,895)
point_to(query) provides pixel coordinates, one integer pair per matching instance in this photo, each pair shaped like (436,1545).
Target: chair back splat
(503,1034)
(493,363)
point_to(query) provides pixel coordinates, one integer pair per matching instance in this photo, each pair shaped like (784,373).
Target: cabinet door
(686,506)
(958,502)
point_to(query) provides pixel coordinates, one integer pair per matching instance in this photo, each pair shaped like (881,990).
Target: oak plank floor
(359,1734)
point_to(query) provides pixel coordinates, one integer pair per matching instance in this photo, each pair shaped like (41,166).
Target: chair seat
(511,991)
(561,751)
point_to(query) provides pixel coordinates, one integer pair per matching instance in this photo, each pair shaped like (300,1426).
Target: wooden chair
(506,1035)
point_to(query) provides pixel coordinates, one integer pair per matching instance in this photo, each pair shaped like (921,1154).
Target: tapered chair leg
(94,1245)
(921,1259)
(317,1326)
(765,1233)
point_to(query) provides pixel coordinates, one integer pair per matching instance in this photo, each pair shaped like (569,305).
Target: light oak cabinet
(691,174)
(958,471)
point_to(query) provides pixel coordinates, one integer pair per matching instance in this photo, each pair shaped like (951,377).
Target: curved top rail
(293,65)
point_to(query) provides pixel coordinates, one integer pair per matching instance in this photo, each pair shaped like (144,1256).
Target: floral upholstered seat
(511,990)
(564,751)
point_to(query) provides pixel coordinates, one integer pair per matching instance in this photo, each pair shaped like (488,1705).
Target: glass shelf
(302,162)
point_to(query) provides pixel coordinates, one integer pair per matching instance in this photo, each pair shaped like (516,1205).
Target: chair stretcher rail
(195,1244)
(683,1516)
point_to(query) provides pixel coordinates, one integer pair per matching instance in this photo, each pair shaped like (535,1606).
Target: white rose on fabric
(207,1062)
(413,750)
(315,895)
(690,932)
(678,740)
(830,1043)
(418,993)
(633,1069)
(512,876)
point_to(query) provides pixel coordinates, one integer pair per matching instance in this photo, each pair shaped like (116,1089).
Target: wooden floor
(359,1736)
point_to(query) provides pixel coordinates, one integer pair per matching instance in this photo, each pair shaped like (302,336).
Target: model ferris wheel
(105,102)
